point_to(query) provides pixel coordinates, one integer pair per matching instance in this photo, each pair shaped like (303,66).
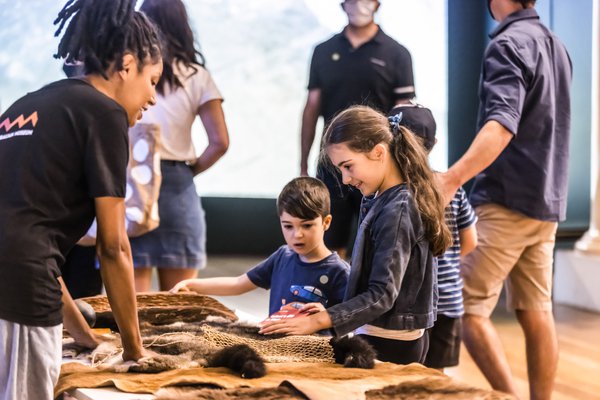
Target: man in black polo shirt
(360,65)
(519,160)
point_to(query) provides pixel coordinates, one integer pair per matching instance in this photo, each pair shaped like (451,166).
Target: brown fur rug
(189,345)
(163,308)
(425,389)
(204,326)
(316,381)
(280,392)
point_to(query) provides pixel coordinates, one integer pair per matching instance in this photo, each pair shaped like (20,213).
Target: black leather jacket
(393,282)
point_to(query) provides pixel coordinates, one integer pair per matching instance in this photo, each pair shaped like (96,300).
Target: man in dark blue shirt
(360,65)
(519,161)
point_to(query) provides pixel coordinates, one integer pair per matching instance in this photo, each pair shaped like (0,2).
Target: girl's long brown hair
(361,128)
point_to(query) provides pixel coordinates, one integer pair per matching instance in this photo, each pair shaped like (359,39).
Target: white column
(590,242)
(577,272)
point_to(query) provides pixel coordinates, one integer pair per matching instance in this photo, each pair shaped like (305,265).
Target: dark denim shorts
(180,239)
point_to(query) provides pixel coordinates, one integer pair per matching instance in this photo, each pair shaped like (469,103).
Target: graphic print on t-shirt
(20,122)
(310,294)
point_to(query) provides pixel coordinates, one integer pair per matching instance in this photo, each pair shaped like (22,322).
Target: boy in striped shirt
(445,335)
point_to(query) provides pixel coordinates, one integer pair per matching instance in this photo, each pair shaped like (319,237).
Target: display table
(105,394)
(290,363)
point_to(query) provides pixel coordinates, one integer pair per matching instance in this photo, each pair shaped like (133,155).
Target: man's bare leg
(542,351)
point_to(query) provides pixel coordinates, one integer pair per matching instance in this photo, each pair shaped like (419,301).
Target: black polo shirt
(525,86)
(377,74)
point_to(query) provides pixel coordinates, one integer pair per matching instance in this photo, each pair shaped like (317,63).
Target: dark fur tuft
(353,352)
(242,359)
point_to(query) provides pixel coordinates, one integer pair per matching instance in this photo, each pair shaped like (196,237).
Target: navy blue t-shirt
(525,86)
(292,280)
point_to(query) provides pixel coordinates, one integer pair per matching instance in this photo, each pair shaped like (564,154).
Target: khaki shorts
(513,248)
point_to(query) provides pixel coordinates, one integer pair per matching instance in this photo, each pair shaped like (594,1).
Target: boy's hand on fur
(312,308)
(180,287)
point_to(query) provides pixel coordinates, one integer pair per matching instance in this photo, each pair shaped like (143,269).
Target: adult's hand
(447,185)
(116,268)
(490,142)
(75,323)
(135,356)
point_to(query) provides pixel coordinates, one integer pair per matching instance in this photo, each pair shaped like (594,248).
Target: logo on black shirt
(19,122)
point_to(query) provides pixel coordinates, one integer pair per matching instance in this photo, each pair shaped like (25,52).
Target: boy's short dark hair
(419,120)
(305,198)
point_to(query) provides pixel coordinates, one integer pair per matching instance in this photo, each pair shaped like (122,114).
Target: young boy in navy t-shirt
(445,336)
(302,271)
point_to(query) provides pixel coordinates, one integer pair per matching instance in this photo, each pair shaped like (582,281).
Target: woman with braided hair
(63,158)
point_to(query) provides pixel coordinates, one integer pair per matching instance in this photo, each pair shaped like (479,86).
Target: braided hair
(101,32)
(171,18)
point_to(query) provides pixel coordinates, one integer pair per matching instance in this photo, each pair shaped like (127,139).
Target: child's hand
(312,308)
(181,287)
(297,326)
(291,326)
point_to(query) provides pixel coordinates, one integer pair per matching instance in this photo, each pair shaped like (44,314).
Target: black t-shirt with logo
(60,147)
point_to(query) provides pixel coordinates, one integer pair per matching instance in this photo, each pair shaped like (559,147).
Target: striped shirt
(459,216)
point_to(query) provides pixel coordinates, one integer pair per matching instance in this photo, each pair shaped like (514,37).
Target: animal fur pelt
(434,388)
(240,358)
(277,393)
(162,308)
(220,342)
(353,352)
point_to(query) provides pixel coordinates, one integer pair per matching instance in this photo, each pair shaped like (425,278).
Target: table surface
(107,394)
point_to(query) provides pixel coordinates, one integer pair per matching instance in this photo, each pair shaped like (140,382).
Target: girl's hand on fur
(297,326)
(312,308)
(180,287)
(292,326)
